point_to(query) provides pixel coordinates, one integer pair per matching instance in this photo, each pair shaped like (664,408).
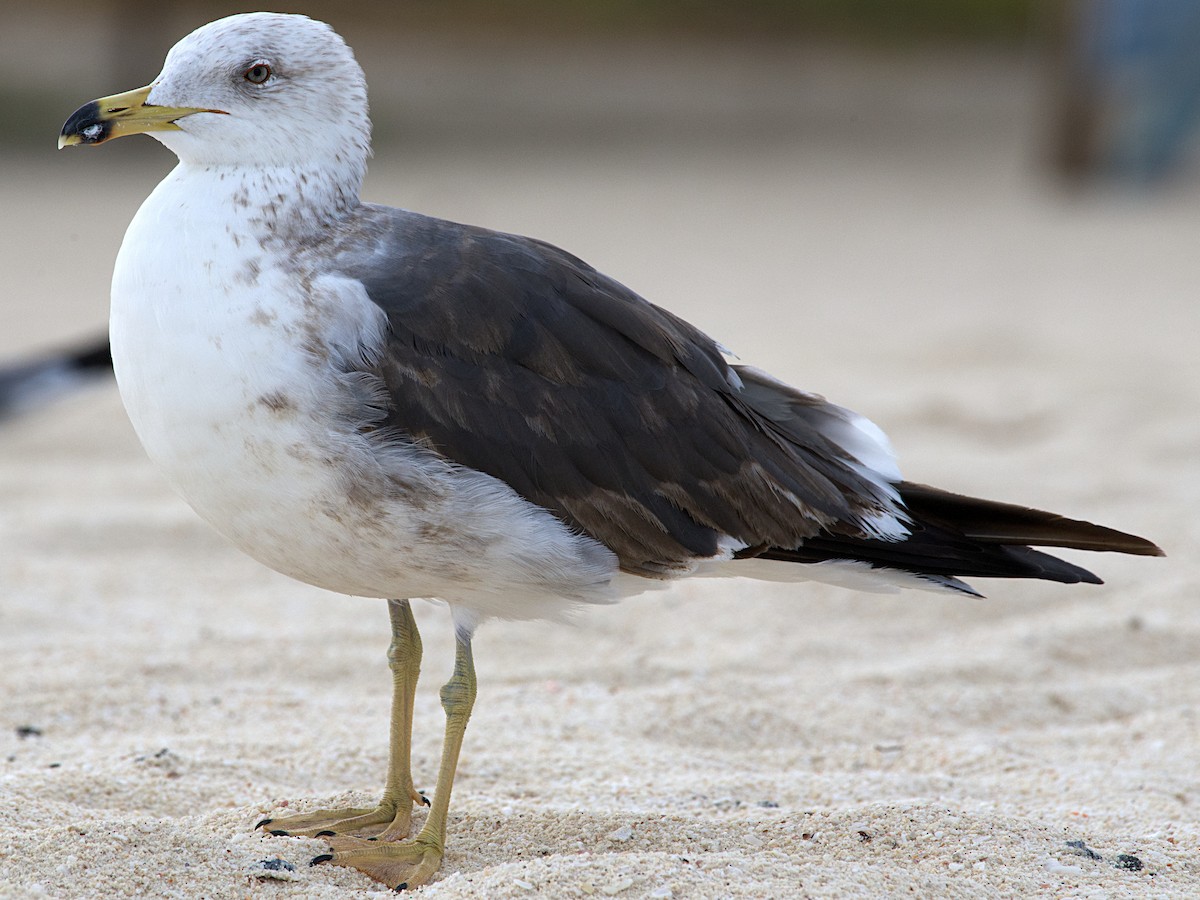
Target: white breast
(227,358)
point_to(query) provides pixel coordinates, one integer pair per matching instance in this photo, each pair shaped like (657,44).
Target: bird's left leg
(392,818)
(408,864)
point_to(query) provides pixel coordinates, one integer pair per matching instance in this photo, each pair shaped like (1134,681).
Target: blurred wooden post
(1074,110)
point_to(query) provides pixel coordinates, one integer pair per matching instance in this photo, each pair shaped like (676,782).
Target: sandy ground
(162,693)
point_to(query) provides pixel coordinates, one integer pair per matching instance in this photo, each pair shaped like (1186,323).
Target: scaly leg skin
(409,864)
(391,820)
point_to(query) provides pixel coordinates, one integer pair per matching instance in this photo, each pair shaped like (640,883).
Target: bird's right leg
(392,818)
(411,863)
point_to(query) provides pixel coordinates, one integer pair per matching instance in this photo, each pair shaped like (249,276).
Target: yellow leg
(392,819)
(409,864)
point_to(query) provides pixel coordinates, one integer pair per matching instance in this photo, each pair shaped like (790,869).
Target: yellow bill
(122,114)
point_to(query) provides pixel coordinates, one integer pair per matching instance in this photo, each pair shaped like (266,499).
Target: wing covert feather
(510,356)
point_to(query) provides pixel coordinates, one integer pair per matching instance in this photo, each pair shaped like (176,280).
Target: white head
(261,90)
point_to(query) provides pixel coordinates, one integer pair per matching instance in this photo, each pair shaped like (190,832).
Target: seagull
(389,405)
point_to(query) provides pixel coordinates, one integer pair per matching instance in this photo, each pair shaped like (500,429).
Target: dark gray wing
(513,357)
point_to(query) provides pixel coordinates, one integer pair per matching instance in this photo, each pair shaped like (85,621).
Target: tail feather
(1007,523)
(953,535)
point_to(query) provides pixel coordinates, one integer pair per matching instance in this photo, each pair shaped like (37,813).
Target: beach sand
(162,693)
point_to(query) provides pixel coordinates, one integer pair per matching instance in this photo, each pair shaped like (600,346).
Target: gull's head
(251,90)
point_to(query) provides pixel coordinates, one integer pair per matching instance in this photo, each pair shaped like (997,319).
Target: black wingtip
(994,522)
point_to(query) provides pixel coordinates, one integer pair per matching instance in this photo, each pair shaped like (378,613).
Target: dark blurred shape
(877,20)
(1126,87)
(25,385)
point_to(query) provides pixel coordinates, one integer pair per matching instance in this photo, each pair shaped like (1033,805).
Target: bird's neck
(284,202)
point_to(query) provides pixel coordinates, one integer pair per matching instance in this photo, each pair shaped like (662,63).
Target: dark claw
(279,832)
(402,886)
(266,821)
(425,799)
(317,860)
(326,833)
(373,839)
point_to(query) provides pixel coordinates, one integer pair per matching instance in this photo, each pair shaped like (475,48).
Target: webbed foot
(401,866)
(389,821)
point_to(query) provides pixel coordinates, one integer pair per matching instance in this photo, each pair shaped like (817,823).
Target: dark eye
(257,73)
